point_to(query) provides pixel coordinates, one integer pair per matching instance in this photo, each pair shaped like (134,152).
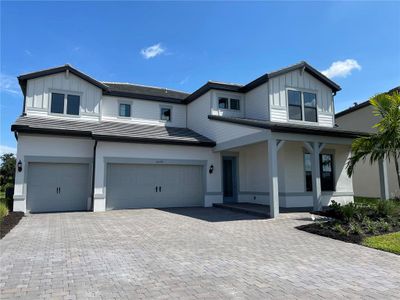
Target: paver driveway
(186,253)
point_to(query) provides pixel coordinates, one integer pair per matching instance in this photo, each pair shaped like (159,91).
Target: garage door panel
(134,186)
(44,181)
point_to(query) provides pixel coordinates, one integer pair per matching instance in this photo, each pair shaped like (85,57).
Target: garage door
(57,187)
(144,186)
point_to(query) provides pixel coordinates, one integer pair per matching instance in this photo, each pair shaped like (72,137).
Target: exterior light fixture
(211,169)
(19,166)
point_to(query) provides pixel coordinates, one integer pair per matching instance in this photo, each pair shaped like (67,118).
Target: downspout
(93,171)
(16,135)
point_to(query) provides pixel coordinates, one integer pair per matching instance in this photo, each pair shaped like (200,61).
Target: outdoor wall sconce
(211,169)
(19,166)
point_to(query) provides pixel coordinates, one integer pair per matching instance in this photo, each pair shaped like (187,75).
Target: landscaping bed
(363,222)
(8,222)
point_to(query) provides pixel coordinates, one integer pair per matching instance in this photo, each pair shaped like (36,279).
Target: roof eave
(22,79)
(282,128)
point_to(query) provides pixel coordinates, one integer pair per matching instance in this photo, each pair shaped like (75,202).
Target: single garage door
(57,187)
(145,186)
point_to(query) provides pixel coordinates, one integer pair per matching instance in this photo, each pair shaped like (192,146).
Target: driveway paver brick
(187,253)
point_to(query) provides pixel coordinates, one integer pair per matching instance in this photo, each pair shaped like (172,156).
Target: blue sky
(182,45)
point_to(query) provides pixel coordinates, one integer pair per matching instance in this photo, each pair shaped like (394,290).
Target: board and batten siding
(143,111)
(38,93)
(302,80)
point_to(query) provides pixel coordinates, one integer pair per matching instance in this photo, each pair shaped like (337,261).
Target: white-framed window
(66,104)
(228,103)
(165,113)
(125,110)
(302,105)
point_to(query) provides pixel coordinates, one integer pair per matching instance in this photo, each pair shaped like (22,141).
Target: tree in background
(385,143)
(7,168)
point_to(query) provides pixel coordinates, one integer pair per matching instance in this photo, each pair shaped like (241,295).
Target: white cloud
(9,84)
(27,52)
(152,51)
(7,149)
(184,80)
(341,68)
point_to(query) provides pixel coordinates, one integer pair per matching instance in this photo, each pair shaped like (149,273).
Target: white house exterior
(377,180)
(90,145)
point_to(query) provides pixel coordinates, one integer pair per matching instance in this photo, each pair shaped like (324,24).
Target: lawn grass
(387,242)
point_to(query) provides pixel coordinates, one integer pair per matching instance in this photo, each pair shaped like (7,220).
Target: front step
(253,209)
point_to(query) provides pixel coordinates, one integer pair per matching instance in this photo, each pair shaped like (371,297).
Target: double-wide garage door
(57,187)
(151,185)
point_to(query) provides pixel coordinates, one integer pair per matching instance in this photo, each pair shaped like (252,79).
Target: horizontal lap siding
(325,120)
(278,115)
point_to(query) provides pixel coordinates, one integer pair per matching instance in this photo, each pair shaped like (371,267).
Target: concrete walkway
(199,253)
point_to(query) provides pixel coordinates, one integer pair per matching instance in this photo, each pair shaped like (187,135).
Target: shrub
(384,226)
(339,228)
(369,225)
(386,208)
(3,210)
(348,211)
(355,228)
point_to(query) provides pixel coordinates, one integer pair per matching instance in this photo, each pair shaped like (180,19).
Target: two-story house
(90,145)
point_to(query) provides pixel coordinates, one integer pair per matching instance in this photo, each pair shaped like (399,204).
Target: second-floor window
(124,110)
(65,104)
(228,103)
(302,106)
(165,114)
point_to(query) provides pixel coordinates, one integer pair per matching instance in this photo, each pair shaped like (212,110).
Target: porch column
(383,178)
(316,176)
(273,178)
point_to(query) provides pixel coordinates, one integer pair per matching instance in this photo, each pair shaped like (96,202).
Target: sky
(182,45)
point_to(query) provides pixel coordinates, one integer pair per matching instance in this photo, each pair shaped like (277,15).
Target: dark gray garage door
(57,187)
(144,186)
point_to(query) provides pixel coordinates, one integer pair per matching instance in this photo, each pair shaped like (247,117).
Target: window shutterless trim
(302,104)
(170,113)
(66,94)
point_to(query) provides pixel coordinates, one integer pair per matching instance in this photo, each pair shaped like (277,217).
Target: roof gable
(22,79)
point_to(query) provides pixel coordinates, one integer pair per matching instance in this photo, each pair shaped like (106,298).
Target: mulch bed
(352,238)
(9,222)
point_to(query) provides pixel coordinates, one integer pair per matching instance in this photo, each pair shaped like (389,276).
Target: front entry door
(229,179)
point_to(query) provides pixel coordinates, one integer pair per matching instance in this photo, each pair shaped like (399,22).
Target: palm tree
(385,143)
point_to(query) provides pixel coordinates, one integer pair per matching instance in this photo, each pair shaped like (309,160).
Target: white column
(273,178)
(383,178)
(316,177)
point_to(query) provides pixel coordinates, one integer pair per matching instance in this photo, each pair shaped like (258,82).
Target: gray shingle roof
(287,127)
(129,88)
(111,131)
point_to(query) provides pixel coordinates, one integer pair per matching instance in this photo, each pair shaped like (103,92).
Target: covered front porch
(283,172)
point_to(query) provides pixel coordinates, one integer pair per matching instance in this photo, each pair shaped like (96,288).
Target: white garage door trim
(27,159)
(161,161)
